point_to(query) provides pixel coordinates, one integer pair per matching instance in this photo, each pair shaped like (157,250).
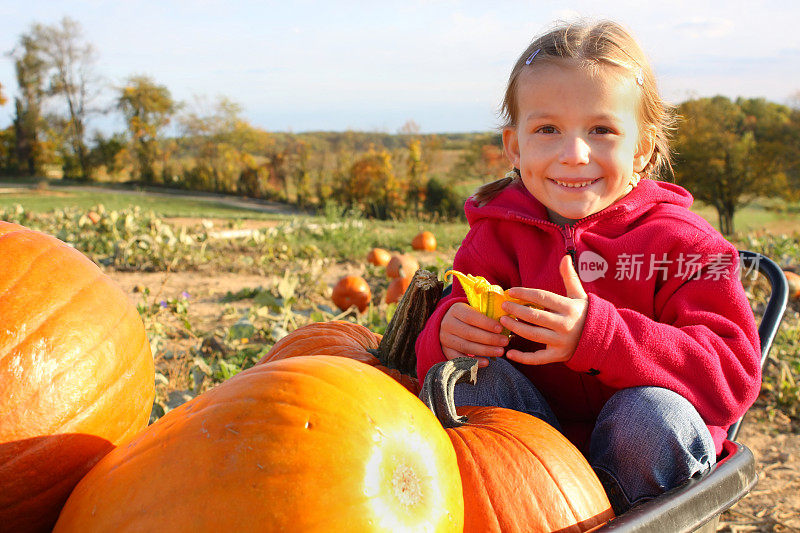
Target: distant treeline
(727,151)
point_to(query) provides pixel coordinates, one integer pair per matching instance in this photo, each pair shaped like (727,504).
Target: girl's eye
(602,130)
(546,129)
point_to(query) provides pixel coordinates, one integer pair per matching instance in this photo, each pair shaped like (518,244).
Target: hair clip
(530,57)
(639,77)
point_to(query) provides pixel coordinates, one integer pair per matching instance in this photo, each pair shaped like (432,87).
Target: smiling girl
(644,367)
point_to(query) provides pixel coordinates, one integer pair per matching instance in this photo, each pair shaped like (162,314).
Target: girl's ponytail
(487,191)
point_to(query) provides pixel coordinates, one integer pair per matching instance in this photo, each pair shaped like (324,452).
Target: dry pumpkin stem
(438,392)
(396,349)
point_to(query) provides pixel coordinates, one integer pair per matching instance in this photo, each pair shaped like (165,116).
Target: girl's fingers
(474,318)
(539,317)
(548,300)
(531,332)
(539,357)
(465,346)
(572,282)
(452,354)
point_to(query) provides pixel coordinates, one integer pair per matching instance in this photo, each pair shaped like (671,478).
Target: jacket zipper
(567,232)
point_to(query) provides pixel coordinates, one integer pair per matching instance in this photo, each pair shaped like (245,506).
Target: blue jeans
(647,440)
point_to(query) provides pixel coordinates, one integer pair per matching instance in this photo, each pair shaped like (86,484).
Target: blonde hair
(603,43)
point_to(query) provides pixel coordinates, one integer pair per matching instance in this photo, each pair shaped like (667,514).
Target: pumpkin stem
(396,349)
(438,391)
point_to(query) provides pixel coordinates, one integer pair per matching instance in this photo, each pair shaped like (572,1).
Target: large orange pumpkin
(393,353)
(76,373)
(304,444)
(519,474)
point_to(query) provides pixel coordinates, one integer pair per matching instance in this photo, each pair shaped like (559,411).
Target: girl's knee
(649,440)
(648,413)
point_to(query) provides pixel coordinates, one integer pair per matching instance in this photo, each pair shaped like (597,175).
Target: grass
(762,214)
(165,205)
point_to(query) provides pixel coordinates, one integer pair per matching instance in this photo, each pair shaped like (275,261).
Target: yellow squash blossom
(484,296)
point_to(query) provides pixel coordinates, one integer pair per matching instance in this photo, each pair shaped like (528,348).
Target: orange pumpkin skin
(794,283)
(76,373)
(425,241)
(351,290)
(401,266)
(305,444)
(337,338)
(519,474)
(397,287)
(379,257)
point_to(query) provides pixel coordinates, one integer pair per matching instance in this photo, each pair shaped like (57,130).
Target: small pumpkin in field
(351,290)
(425,241)
(76,374)
(379,257)
(794,284)
(401,266)
(304,444)
(397,287)
(518,472)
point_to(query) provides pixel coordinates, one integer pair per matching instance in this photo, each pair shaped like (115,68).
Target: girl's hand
(468,332)
(558,326)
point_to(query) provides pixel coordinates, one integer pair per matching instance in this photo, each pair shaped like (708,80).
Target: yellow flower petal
(482,295)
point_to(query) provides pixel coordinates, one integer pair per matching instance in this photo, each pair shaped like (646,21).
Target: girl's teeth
(575,185)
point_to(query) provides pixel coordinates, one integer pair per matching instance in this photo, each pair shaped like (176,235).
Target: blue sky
(374,65)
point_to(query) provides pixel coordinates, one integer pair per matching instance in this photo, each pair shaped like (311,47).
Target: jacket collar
(515,202)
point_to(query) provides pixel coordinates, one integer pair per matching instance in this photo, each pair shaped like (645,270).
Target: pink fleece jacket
(666,306)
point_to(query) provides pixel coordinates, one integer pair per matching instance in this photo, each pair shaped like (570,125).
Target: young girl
(645,358)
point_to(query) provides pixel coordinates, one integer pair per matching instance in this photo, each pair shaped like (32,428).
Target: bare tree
(70,62)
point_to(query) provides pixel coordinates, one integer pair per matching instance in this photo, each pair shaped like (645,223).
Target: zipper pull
(569,239)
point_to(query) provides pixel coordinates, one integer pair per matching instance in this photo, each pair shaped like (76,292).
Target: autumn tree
(728,152)
(372,186)
(31,72)
(147,108)
(483,159)
(70,63)
(221,143)
(415,176)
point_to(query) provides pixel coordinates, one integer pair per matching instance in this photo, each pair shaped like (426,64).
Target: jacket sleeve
(428,348)
(703,343)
